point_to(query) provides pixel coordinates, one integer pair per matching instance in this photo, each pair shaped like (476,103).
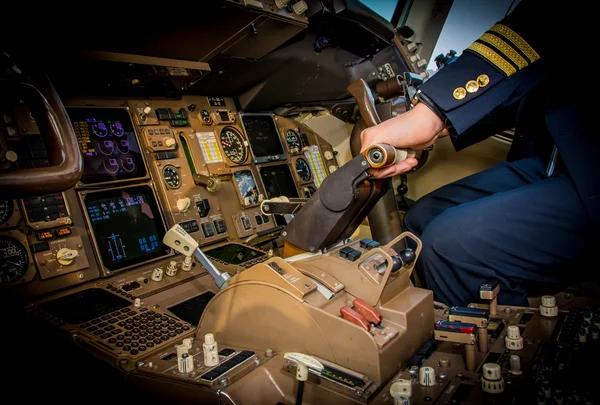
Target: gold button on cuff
(459,93)
(483,80)
(472,86)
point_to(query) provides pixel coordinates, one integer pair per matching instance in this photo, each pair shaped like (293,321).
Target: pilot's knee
(418,216)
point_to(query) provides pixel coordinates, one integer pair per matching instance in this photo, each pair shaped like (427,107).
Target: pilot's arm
(476,96)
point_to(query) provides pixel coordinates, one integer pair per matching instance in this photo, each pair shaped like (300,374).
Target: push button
(40,247)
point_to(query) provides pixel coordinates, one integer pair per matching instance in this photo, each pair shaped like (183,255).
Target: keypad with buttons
(136,330)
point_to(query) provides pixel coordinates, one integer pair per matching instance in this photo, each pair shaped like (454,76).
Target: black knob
(191,107)
(408,256)
(402,189)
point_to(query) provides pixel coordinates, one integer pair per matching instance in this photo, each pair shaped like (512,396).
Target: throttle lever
(376,155)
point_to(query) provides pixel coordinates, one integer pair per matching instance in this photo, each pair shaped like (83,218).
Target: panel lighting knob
(412,47)
(11,156)
(157,274)
(172,268)
(147,110)
(427,376)
(300,7)
(170,143)
(281,3)
(513,339)
(491,378)
(332,168)
(422,62)
(401,388)
(548,306)
(65,256)
(183,204)
(328,155)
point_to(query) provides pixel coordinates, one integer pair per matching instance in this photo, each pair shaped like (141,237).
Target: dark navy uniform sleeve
(496,71)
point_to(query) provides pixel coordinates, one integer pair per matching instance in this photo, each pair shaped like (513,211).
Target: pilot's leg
(526,236)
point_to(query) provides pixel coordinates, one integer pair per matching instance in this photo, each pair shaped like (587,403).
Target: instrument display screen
(246,185)
(278,181)
(127,226)
(83,306)
(234,253)
(108,144)
(264,140)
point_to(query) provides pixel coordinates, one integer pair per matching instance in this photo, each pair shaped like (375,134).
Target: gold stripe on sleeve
(493,57)
(505,48)
(517,40)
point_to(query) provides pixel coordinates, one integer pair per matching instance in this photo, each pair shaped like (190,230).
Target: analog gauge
(205,117)
(233,145)
(100,129)
(14,260)
(303,169)
(6,210)
(117,129)
(308,191)
(172,177)
(293,141)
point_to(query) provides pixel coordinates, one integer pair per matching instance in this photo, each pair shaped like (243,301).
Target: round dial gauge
(233,145)
(205,117)
(303,169)
(309,191)
(6,209)
(293,141)
(100,129)
(14,260)
(172,176)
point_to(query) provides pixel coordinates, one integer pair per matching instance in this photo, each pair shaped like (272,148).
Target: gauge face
(293,141)
(309,191)
(205,117)
(303,169)
(100,129)
(13,260)
(233,145)
(172,177)
(6,209)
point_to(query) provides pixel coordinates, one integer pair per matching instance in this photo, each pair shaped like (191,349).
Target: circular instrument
(100,129)
(303,170)
(14,259)
(293,141)
(308,191)
(6,210)
(172,177)
(205,117)
(233,145)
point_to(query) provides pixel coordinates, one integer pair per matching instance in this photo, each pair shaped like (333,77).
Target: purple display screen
(108,144)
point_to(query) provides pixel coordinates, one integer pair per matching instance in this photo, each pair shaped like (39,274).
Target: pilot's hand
(415,129)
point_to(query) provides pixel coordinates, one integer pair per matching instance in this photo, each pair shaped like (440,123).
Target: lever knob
(515,365)
(172,268)
(513,339)
(427,377)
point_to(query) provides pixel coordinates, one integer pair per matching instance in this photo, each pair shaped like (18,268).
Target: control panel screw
(507,310)
(307,286)
(364,163)
(81,276)
(269,353)
(43,262)
(79,246)
(284,233)
(224,382)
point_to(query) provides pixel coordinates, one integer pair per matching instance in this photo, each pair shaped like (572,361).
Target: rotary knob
(65,256)
(300,7)
(401,388)
(183,204)
(170,143)
(548,306)
(281,3)
(515,365)
(491,378)
(427,376)
(172,268)
(513,339)
(157,274)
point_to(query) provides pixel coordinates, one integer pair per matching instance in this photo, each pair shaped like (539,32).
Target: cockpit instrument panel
(108,144)
(303,170)
(126,226)
(6,210)
(234,145)
(263,138)
(14,259)
(293,141)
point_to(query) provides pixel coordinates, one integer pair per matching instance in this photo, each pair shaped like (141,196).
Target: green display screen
(234,253)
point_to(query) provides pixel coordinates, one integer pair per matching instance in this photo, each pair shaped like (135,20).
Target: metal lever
(179,240)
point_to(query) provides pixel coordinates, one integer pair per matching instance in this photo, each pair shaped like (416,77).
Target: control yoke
(179,240)
(347,195)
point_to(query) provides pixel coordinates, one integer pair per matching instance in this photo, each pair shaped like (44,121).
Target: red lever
(352,316)
(367,311)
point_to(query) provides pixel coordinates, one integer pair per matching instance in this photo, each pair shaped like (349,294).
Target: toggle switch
(513,339)
(211,350)
(515,365)
(367,311)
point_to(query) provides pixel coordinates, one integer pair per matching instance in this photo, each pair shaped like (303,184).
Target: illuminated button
(44,235)
(259,220)
(483,80)
(246,222)
(208,229)
(459,93)
(472,86)
(40,247)
(62,232)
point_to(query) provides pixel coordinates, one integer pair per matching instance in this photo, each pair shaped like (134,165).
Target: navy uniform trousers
(510,223)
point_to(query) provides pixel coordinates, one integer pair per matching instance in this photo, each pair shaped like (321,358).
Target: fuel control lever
(179,240)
